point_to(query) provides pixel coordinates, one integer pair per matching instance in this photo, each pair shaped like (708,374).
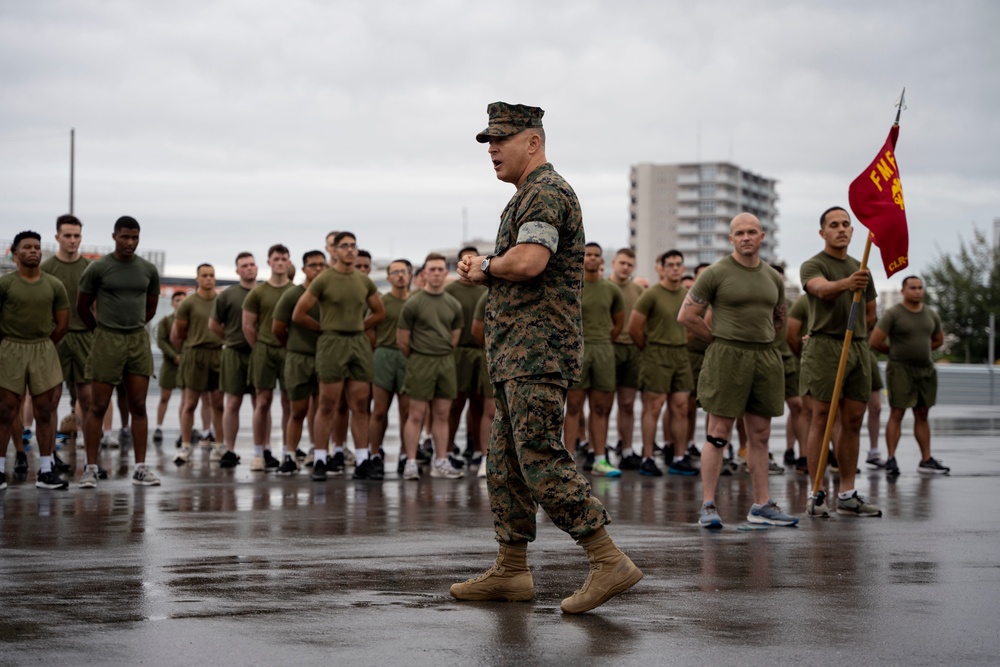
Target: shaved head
(744,218)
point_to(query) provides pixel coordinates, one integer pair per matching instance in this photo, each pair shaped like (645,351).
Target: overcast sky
(231,125)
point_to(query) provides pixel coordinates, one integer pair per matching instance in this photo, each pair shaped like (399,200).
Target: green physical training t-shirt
(163,338)
(800,311)
(300,339)
(195,310)
(602,300)
(661,306)
(69,274)
(343,300)
(534,327)
(385,332)
(743,299)
(261,301)
(468,296)
(121,289)
(227,310)
(910,333)
(631,291)
(430,319)
(26,308)
(830,317)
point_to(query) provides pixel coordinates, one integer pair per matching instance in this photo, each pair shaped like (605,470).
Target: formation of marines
(526,338)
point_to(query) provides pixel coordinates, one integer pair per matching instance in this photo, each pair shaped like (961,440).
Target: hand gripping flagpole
(838,384)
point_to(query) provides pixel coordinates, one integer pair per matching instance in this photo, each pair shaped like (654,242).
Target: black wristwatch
(486,264)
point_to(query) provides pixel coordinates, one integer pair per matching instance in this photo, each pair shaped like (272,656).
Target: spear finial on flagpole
(900,105)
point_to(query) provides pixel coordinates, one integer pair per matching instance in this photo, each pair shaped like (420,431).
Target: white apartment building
(689,206)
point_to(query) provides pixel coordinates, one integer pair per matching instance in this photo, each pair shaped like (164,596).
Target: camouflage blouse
(534,327)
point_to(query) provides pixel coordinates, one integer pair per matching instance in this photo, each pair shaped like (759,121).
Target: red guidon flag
(876,197)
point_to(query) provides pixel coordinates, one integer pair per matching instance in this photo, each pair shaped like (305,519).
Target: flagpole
(838,384)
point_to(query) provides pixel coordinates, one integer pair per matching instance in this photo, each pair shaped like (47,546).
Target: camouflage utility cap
(507,119)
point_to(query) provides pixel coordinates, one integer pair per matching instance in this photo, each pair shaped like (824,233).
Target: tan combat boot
(508,579)
(611,573)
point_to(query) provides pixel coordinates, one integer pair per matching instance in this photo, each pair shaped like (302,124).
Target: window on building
(706,256)
(707,190)
(708,172)
(706,224)
(706,240)
(706,206)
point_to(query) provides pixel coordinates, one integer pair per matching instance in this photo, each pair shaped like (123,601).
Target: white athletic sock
(92,467)
(107,434)
(290,453)
(45,463)
(319,455)
(338,449)
(139,465)
(626,452)
(258,450)
(361,455)
(678,458)
(3,464)
(846,495)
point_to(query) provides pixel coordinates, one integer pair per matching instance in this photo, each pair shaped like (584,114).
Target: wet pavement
(230,567)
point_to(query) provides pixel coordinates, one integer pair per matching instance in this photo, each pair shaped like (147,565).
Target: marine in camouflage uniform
(535,286)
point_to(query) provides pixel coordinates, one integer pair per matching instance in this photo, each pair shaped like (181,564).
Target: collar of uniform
(537,172)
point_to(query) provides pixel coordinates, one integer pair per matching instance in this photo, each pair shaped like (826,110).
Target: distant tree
(964,290)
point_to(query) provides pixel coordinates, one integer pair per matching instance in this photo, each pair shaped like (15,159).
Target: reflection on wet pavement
(241,568)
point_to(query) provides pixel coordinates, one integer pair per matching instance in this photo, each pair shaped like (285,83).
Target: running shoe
(631,462)
(158,437)
(682,467)
(270,463)
(802,465)
(183,456)
(773,468)
(363,470)
(288,467)
(218,451)
(769,514)
(476,462)
(443,468)
(875,460)
(50,480)
(300,456)
(20,465)
(378,467)
(335,464)
(3,481)
(650,469)
(456,462)
(709,516)
(26,436)
(789,458)
(411,471)
(59,465)
(401,465)
(891,467)
(602,468)
(817,507)
(856,505)
(693,453)
(319,471)
(108,442)
(588,461)
(143,476)
(932,467)
(229,460)
(88,480)
(349,458)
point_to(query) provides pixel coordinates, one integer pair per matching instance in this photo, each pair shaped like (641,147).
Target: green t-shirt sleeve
(407,314)
(90,279)
(252,302)
(617,300)
(644,304)
(153,289)
(61,301)
(286,304)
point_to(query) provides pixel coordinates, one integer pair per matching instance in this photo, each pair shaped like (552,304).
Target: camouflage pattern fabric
(534,327)
(527,464)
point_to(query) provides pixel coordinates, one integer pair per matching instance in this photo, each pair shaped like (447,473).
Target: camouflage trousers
(527,464)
